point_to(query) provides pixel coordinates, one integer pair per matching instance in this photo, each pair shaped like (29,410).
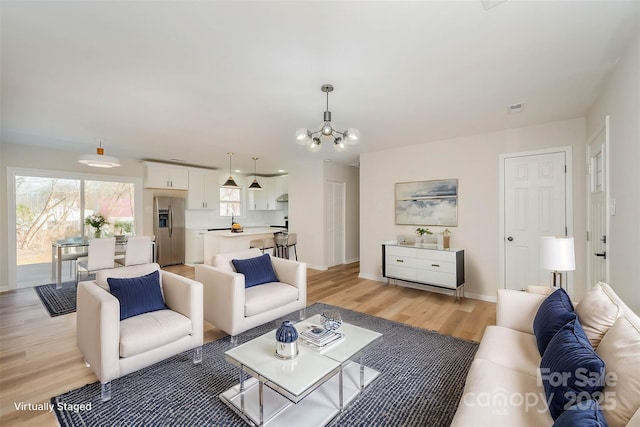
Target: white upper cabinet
(265,199)
(203,189)
(159,175)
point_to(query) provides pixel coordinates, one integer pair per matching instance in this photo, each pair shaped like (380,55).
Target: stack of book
(318,338)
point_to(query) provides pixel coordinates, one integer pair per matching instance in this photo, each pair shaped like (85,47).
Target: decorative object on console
(444,239)
(340,139)
(427,203)
(230,183)
(557,254)
(99,160)
(286,341)
(331,320)
(255,185)
(421,232)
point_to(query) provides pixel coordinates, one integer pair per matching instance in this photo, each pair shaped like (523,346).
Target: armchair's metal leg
(234,340)
(105,392)
(197,354)
(303,313)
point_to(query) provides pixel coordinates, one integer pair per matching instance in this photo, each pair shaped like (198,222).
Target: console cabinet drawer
(402,261)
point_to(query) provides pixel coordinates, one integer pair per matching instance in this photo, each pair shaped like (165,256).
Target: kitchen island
(222,241)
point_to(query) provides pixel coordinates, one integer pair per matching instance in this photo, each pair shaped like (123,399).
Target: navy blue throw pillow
(256,270)
(137,295)
(583,414)
(571,370)
(554,312)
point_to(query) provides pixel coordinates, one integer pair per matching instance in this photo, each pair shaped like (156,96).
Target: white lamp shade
(557,253)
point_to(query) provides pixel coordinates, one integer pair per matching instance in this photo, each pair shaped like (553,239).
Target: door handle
(603,255)
(510,239)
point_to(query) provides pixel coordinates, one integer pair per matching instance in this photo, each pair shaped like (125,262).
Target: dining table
(72,248)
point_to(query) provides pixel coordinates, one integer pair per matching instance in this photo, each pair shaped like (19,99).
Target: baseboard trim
(487,298)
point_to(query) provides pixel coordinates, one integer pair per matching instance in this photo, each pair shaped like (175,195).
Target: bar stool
(282,244)
(262,244)
(292,240)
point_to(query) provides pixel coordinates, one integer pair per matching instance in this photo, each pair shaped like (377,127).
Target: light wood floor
(39,358)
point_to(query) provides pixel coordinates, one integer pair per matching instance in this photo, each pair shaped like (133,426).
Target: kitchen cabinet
(423,265)
(203,189)
(160,175)
(194,246)
(265,199)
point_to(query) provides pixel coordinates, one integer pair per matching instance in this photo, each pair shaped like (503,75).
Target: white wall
(351,177)
(474,161)
(306,211)
(620,99)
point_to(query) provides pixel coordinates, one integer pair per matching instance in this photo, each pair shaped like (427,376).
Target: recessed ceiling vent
(515,108)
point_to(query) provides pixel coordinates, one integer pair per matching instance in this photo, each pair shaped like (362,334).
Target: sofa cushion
(570,369)
(597,313)
(497,397)
(223,260)
(152,330)
(620,349)
(256,270)
(268,296)
(510,348)
(554,312)
(129,271)
(583,414)
(137,295)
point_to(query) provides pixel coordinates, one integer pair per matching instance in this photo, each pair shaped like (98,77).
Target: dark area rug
(58,301)
(422,376)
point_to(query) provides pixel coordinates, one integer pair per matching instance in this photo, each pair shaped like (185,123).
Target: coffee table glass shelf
(309,390)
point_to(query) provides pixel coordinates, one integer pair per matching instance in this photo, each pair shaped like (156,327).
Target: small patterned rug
(422,376)
(58,301)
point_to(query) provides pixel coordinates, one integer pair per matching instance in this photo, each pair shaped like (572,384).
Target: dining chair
(138,251)
(100,256)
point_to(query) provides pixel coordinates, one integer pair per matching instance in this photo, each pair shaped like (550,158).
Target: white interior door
(597,222)
(534,205)
(335,219)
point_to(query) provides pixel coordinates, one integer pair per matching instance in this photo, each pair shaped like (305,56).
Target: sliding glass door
(49,208)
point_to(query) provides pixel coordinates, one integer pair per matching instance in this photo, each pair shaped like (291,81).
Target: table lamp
(557,254)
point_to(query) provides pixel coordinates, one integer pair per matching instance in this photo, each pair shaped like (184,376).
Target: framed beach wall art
(427,203)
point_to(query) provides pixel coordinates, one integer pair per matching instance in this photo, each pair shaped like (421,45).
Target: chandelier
(340,139)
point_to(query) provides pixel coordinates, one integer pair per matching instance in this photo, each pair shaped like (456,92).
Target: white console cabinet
(423,265)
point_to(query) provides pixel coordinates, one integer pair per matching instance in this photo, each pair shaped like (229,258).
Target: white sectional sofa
(503,386)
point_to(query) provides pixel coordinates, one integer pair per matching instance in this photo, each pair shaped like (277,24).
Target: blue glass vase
(286,341)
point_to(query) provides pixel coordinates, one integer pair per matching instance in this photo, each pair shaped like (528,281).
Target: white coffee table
(309,390)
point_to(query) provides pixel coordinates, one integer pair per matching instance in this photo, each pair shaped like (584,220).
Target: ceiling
(192,80)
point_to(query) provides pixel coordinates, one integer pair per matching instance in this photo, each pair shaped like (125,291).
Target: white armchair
(114,348)
(230,306)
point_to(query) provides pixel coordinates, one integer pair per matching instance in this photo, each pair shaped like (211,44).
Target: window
(113,200)
(230,201)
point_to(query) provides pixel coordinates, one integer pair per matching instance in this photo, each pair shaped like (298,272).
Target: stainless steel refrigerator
(168,225)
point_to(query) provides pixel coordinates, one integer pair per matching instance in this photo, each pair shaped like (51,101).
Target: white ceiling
(193,80)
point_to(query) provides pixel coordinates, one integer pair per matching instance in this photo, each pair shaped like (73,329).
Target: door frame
(607,199)
(568,152)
